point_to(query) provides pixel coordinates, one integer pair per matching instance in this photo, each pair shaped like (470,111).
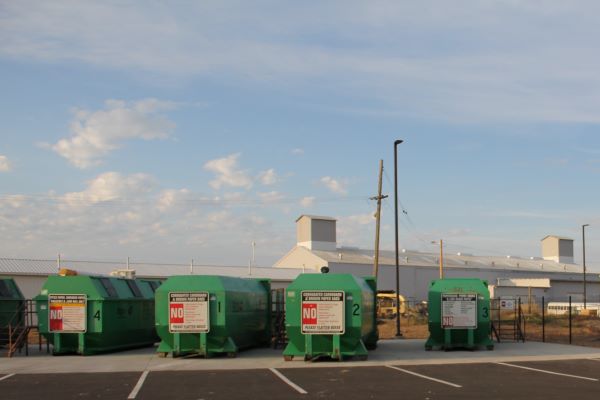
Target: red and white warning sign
(67,313)
(189,312)
(323,312)
(459,311)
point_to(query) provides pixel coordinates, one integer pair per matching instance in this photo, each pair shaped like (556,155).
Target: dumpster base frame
(471,344)
(359,352)
(204,349)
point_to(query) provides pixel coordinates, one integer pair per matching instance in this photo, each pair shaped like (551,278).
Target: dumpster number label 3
(323,312)
(459,311)
(189,312)
(67,313)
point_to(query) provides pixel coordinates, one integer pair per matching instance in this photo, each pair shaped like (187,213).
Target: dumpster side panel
(238,315)
(360,330)
(118,314)
(441,294)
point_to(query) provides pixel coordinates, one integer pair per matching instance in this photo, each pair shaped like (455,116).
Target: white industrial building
(30,275)
(553,275)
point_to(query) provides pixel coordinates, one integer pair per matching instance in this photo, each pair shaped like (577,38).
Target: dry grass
(585,330)
(411,328)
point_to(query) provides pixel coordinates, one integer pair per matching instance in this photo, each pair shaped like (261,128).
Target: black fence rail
(18,327)
(561,320)
(508,320)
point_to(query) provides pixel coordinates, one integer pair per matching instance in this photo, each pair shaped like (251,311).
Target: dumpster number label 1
(459,311)
(67,313)
(323,312)
(188,312)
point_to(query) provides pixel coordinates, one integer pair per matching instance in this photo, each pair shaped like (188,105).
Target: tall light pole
(441,243)
(396,143)
(584,269)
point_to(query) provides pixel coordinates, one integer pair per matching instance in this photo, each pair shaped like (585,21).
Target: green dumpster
(459,314)
(330,315)
(12,309)
(96,314)
(211,315)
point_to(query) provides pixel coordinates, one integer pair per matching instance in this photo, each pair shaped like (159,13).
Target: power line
(140,201)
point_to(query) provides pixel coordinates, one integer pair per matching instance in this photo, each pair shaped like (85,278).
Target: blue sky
(167,133)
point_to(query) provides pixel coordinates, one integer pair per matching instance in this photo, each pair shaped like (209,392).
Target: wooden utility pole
(379,197)
(441,259)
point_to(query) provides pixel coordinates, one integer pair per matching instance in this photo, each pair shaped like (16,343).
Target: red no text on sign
(56,318)
(309,313)
(176,315)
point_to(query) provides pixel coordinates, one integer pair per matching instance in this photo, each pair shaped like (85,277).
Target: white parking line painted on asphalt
(549,372)
(424,376)
(286,380)
(6,376)
(138,385)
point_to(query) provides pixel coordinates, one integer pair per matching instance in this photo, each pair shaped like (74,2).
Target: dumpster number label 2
(459,311)
(188,312)
(323,312)
(67,313)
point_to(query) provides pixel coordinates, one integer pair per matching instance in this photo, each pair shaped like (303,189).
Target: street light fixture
(396,143)
(584,269)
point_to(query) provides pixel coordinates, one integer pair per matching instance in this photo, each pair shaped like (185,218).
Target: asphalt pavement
(397,369)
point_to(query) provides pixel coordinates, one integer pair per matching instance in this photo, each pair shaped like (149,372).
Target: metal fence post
(518,320)
(10,340)
(570,322)
(543,320)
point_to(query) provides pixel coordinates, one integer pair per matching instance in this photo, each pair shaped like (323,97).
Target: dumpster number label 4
(323,312)
(67,313)
(189,312)
(459,311)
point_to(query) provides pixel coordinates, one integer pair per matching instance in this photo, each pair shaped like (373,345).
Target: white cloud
(459,61)
(268,177)
(169,198)
(4,164)
(356,230)
(115,215)
(297,151)
(111,186)
(334,185)
(307,201)
(359,219)
(94,134)
(271,197)
(228,173)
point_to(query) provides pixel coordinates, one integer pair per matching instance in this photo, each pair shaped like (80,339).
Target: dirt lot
(585,331)
(411,328)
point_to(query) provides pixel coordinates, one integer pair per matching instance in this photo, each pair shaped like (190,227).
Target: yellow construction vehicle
(386,304)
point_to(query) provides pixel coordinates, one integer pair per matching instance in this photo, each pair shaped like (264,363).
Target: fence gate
(508,321)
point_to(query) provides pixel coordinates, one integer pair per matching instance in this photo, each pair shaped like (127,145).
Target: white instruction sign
(507,303)
(67,313)
(459,310)
(189,312)
(323,312)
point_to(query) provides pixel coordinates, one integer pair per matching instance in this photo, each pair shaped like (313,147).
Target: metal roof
(415,258)
(14,266)
(316,217)
(557,237)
